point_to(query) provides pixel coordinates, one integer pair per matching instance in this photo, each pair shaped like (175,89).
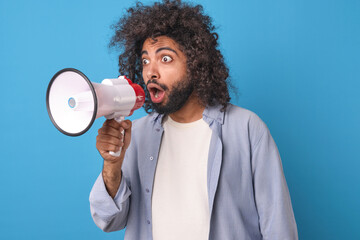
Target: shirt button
(147,190)
(148,222)
(151,158)
(158,129)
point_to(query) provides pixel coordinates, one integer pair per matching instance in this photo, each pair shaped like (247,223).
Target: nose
(152,71)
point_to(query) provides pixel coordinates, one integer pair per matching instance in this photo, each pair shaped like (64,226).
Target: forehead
(158,42)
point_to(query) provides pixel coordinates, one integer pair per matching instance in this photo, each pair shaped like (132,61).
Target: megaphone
(73,102)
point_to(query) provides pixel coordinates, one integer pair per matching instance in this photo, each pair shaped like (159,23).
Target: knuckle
(107,122)
(107,147)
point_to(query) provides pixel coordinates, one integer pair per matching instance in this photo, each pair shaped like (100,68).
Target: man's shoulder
(238,111)
(242,114)
(142,122)
(239,117)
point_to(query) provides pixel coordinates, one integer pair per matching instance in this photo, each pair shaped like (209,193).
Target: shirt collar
(156,118)
(214,113)
(210,114)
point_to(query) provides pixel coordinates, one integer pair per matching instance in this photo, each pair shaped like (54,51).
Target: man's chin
(166,108)
(163,109)
(175,99)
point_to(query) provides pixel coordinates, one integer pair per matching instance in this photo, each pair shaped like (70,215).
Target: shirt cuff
(100,197)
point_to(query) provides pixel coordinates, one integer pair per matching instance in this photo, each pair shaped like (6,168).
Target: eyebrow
(159,50)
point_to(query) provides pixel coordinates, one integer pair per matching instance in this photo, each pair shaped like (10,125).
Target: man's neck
(190,112)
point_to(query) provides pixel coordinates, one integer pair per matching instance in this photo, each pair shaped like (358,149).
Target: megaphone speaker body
(74,102)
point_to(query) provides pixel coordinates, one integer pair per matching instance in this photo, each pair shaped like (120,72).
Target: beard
(177,97)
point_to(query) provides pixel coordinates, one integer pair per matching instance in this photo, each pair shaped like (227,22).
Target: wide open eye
(166,59)
(145,61)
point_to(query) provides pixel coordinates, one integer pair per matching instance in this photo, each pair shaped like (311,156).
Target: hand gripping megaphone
(73,102)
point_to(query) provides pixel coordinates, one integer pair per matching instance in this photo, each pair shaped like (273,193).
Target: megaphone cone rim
(93,94)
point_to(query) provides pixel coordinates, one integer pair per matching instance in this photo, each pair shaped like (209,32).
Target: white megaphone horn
(73,102)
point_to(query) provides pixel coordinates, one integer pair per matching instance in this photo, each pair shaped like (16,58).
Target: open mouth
(157,93)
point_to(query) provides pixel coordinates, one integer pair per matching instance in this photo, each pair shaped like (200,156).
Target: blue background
(295,63)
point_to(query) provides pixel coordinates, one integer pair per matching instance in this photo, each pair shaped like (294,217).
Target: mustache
(157,83)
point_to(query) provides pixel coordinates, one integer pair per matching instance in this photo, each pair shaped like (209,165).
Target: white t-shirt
(180,208)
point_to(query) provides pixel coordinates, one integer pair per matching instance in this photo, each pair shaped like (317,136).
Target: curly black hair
(191,29)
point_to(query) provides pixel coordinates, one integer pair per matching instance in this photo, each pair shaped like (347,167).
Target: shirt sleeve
(109,214)
(272,196)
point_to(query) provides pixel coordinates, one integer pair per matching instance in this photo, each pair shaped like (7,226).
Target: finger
(107,130)
(127,135)
(126,124)
(105,146)
(108,157)
(112,123)
(109,140)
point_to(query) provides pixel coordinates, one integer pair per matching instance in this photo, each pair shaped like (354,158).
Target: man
(197,167)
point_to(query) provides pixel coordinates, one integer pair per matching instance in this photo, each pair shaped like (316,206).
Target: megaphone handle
(119,120)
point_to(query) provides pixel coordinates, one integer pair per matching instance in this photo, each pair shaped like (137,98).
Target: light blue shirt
(248,195)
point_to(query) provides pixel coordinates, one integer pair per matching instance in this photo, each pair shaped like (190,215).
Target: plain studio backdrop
(295,63)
